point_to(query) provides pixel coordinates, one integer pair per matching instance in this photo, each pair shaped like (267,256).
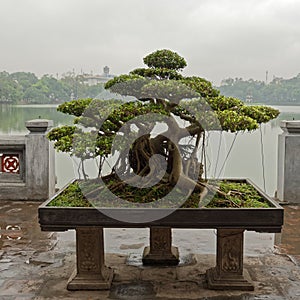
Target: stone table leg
(91,273)
(228,274)
(160,251)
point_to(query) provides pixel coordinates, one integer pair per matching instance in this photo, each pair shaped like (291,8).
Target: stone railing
(288,180)
(27,170)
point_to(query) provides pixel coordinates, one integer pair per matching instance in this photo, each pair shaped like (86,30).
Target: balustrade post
(288,180)
(39,157)
(27,164)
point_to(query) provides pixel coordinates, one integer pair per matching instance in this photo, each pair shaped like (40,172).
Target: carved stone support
(228,274)
(91,272)
(161,251)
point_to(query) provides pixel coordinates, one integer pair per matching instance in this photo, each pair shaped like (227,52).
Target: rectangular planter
(229,222)
(256,219)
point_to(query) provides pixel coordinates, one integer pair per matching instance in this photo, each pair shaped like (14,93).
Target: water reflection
(12,118)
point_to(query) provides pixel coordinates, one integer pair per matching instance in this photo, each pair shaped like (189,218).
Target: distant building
(90,79)
(249,98)
(277,80)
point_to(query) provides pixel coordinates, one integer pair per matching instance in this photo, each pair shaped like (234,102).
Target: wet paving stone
(20,287)
(37,265)
(243,297)
(132,291)
(289,239)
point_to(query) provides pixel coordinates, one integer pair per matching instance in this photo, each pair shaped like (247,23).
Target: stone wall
(288,180)
(27,170)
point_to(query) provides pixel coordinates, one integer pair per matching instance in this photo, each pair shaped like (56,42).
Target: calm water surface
(247,157)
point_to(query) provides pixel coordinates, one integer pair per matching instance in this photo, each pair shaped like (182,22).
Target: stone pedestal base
(228,273)
(91,273)
(168,259)
(161,251)
(242,283)
(90,282)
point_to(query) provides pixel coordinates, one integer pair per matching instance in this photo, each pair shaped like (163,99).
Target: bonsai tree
(186,107)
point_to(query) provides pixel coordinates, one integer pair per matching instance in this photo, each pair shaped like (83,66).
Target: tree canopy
(279,91)
(162,95)
(25,87)
(166,59)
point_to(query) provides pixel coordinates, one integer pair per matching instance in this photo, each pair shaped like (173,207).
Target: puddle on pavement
(243,297)
(20,230)
(134,259)
(132,291)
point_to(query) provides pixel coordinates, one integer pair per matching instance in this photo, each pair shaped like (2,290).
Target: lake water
(246,159)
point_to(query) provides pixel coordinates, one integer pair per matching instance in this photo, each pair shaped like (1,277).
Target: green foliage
(235,116)
(231,120)
(25,80)
(46,90)
(110,115)
(62,137)
(165,59)
(171,90)
(10,90)
(191,98)
(26,87)
(71,197)
(75,107)
(158,90)
(221,103)
(130,110)
(201,113)
(89,145)
(127,85)
(120,79)
(202,86)
(162,90)
(105,116)
(157,73)
(86,145)
(231,112)
(237,195)
(279,91)
(261,114)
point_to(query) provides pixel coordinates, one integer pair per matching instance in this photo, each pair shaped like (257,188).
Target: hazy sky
(218,38)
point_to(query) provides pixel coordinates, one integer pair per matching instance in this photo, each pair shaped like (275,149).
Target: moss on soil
(238,195)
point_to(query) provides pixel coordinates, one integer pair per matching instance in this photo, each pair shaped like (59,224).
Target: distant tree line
(278,91)
(24,87)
